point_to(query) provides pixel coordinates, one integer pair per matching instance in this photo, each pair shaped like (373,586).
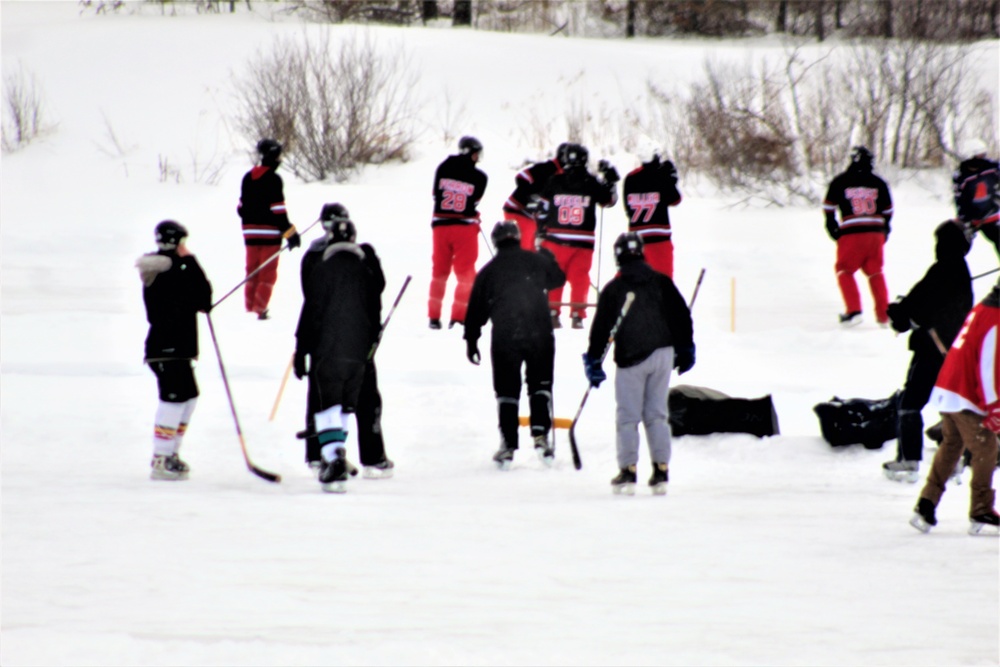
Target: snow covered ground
(778,551)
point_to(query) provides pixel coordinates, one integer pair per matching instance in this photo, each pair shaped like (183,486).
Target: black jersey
(571,199)
(262,207)
(976,191)
(458,187)
(530,181)
(647,194)
(174,290)
(863,200)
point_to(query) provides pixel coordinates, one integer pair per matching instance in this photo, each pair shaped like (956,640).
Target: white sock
(185,420)
(168,419)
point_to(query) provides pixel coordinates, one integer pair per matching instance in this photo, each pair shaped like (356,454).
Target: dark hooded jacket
(658,317)
(943,297)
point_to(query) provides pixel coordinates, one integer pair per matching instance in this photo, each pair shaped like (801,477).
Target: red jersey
(971,372)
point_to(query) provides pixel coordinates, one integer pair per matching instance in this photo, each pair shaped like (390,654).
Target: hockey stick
(281,389)
(388,317)
(629,298)
(600,244)
(483,232)
(263,474)
(263,264)
(981,275)
(697,286)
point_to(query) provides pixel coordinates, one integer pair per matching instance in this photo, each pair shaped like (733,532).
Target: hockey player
(655,337)
(371,446)
(647,193)
(569,224)
(967,394)
(977,192)
(458,187)
(865,207)
(530,181)
(935,309)
(265,224)
(174,290)
(337,327)
(511,291)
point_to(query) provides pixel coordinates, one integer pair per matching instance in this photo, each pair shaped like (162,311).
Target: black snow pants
(538,358)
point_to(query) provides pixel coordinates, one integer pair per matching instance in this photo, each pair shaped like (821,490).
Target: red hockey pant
(257,290)
(660,256)
(575,263)
(862,251)
(456,247)
(526,225)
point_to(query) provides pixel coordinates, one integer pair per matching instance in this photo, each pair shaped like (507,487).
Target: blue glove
(592,369)
(684,358)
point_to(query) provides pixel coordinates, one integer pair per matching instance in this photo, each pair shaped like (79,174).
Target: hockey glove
(608,171)
(897,317)
(294,240)
(592,369)
(300,365)
(472,352)
(992,418)
(684,358)
(670,170)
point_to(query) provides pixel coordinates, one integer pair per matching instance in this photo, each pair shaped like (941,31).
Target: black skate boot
(556,324)
(546,452)
(987,523)
(923,517)
(658,481)
(333,475)
(169,468)
(381,470)
(623,483)
(576,321)
(504,457)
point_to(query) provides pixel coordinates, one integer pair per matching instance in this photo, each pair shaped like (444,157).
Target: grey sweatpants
(641,395)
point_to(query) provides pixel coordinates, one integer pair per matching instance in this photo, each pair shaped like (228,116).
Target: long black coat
(658,316)
(342,306)
(511,291)
(174,290)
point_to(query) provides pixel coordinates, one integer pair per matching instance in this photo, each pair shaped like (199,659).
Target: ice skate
(576,321)
(923,516)
(546,452)
(168,468)
(381,470)
(658,480)
(623,484)
(334,474)
(435,324)
(504,457)
(902,471)
(987,523)
(556,324)
(851,319)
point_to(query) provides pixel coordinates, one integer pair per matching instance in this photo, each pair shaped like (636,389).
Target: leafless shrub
(23,116)
(334,107)
(452,114)
(168,172)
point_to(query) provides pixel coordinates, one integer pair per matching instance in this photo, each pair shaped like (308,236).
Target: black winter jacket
(658,316)
(943,297)
(174,290)
(511,290)
(342,307)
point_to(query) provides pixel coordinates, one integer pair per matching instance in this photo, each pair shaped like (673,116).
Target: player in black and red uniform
(568,221)
(458,187)
(647,193)
(865,207)
(265,224)
(977,192)
(530,182)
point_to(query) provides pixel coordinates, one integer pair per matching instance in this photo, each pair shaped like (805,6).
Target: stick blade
(264,474)
(577,463)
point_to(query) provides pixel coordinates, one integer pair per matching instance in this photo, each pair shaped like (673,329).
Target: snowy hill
(779,551)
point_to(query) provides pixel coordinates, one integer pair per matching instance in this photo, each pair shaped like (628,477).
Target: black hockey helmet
(333,213)
(576,156)
(342,231)
(628,247)
(170,234)
(862,158)
(269,149)
(561,152)
(505,230)
(468,145)
(951,240)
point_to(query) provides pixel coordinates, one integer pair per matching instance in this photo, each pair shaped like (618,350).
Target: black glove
(897,316)
(472,352)
(684,358)
(592,369)
(300,364)
(670,170)
(294,241)
(608,171)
